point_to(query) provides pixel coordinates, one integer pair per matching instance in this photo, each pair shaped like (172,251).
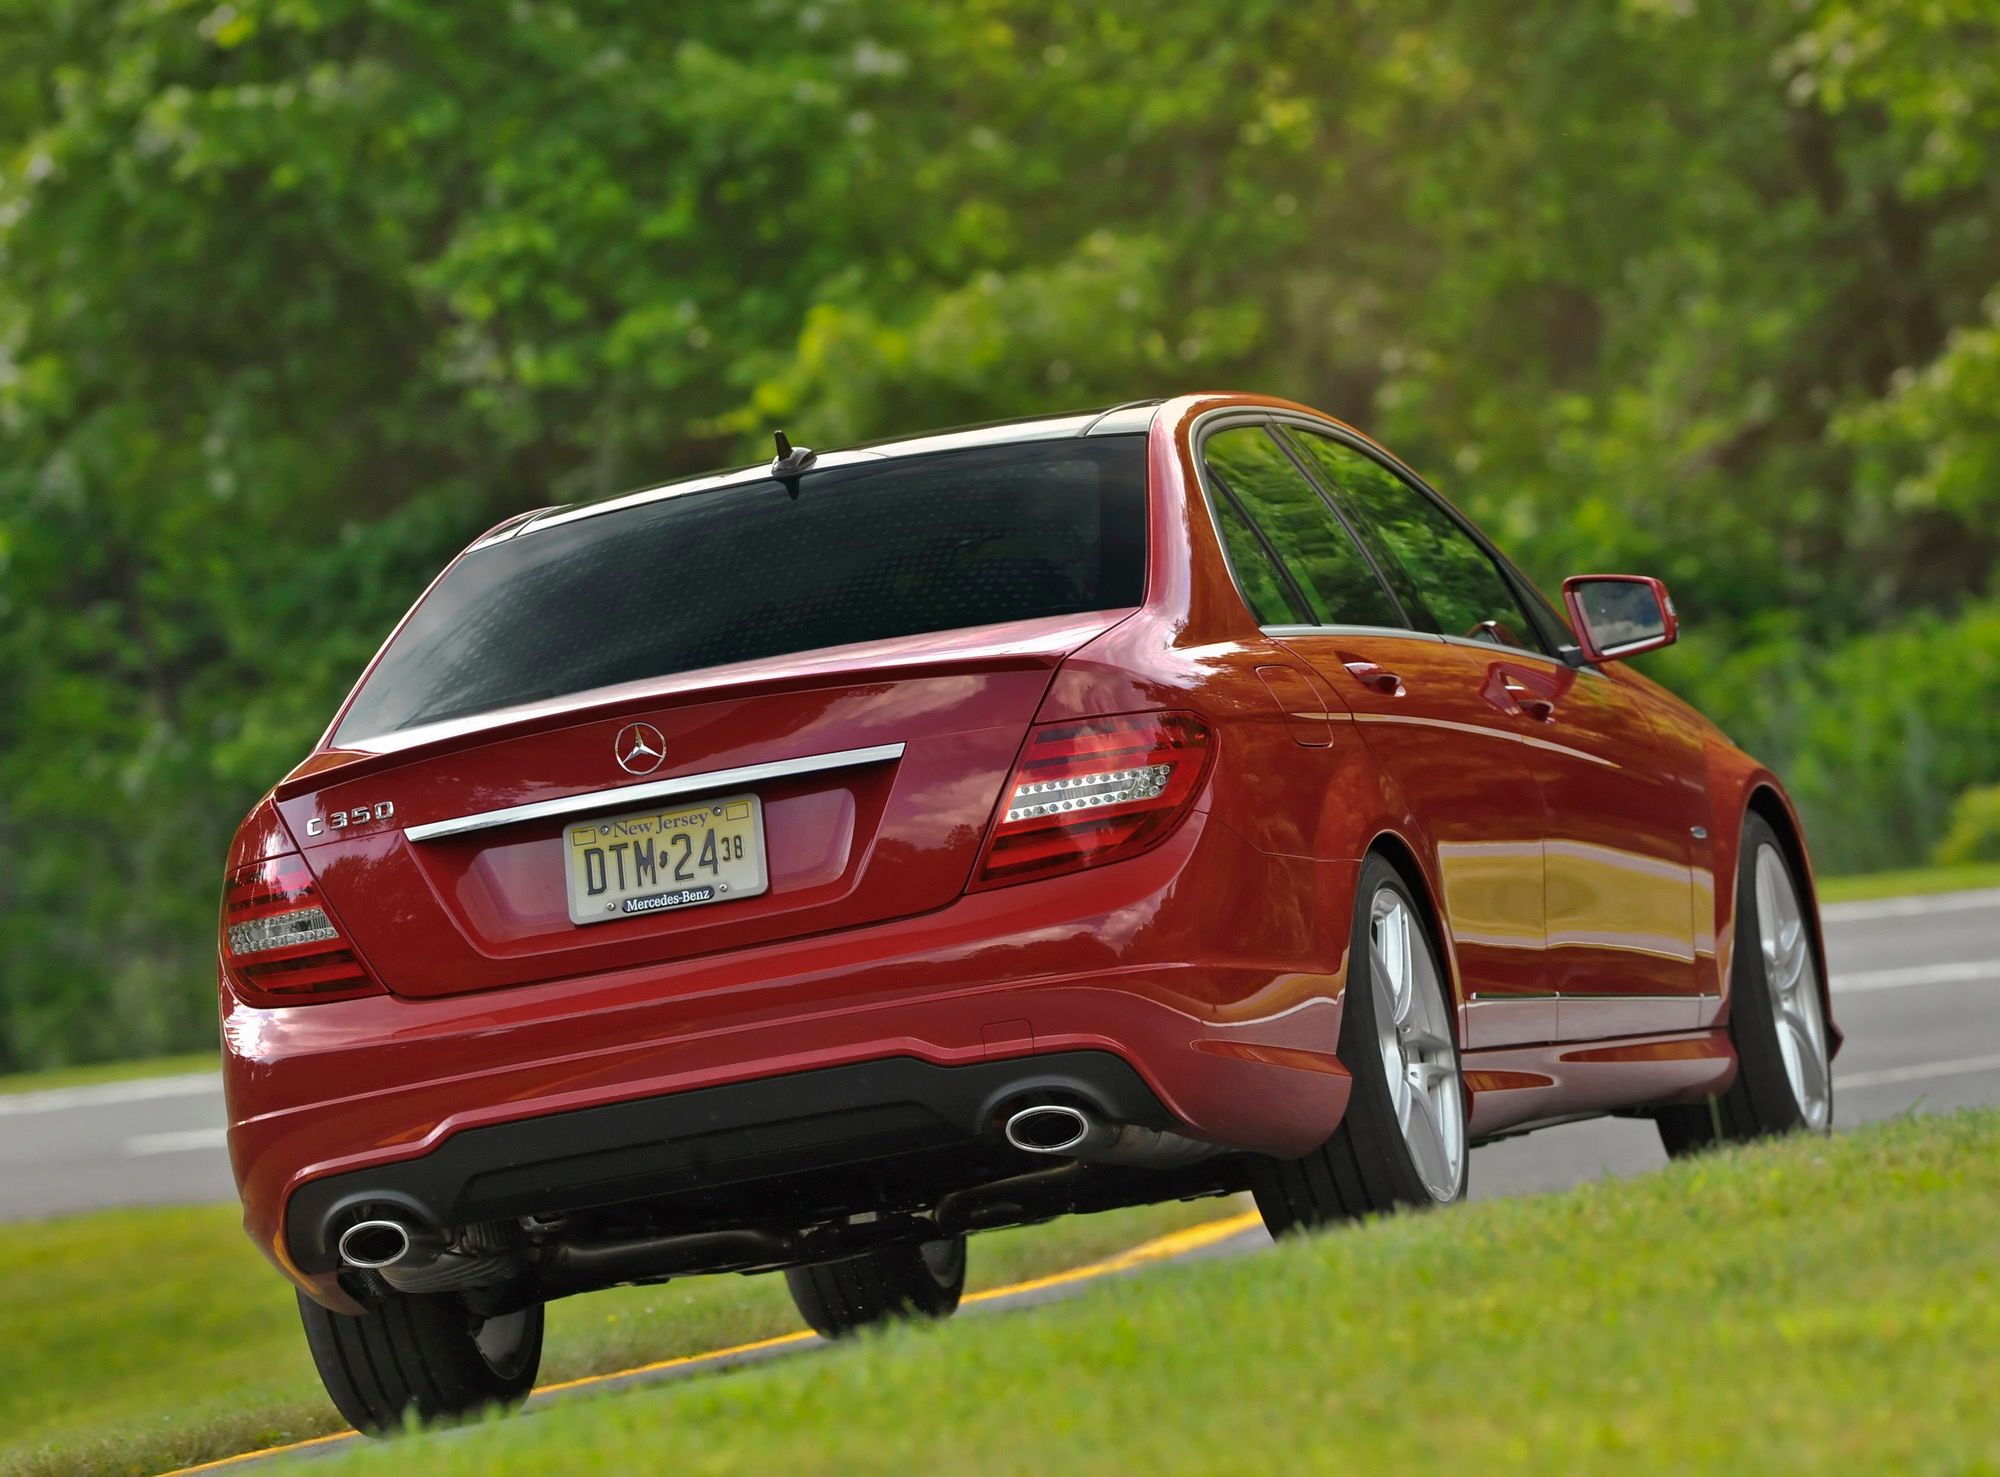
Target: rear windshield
(729,574)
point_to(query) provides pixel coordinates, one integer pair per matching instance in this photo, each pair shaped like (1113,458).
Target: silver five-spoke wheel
(1413,1033)
(1794,987)
(1402,1139)
(1777,1012)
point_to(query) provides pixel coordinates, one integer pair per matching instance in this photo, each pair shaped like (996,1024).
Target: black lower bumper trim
(592,1158)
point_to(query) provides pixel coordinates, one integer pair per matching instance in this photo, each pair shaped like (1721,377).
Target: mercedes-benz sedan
(801,867)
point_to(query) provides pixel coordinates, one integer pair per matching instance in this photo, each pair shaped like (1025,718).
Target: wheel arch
(1400,854)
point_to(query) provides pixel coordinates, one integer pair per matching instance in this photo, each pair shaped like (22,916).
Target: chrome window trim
(1518,651)
(1405,633)
(687,784)
(1543,657)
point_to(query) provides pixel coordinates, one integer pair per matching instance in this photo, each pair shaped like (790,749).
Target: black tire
(1366,1167)
(1762,1100)
(424,1355)
(910,1281)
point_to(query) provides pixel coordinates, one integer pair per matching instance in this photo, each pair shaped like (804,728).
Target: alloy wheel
(1793,983)
(944,1259)
(1413,1032)
(504,1342)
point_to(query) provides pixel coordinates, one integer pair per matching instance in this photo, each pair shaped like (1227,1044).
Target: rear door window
(759,568)
(1266,588)
(1331,573)
(1439,563)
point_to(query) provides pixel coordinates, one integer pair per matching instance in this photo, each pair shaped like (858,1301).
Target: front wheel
(908,1281)
(1784,1077)
(426,1355)
(1402,1140)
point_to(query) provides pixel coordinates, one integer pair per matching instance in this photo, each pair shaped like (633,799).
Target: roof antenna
(790,462)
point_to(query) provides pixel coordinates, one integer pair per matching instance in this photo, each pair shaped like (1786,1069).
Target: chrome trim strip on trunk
(687,784)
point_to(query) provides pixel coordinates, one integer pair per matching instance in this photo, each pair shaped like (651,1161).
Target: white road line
(108,1094)
(1967,972)
(175,1142)
(1961,1067)
(1911,907)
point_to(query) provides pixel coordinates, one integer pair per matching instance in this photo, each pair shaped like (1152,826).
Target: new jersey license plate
(658,861)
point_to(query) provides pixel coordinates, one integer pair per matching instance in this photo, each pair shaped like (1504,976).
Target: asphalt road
(1916,988)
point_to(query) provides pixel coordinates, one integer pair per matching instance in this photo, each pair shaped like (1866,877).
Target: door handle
(1538,708)
(1375,678)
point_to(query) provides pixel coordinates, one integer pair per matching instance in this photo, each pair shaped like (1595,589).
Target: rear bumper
(713,1137)
(1207,970)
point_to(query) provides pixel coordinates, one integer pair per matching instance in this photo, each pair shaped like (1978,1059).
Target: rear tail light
(1096,791)
(280,945)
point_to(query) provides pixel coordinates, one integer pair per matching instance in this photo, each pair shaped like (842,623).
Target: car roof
(1127,418)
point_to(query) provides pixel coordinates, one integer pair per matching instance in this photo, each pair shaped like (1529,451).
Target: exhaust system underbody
(513,1263)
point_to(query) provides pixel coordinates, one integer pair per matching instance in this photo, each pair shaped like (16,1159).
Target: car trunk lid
(441,850)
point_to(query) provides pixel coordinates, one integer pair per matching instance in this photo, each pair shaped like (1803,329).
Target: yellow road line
(680,1361)
(251,1456)
(1174,1243)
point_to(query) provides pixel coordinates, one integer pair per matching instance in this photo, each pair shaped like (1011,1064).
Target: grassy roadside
(155,1066)
(1817,1305)
(139,1340)
(1869,886)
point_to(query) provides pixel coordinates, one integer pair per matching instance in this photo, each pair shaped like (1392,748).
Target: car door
(1624,858)
(1466,782)
(1617,907)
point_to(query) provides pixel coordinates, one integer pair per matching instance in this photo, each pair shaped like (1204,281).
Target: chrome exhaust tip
(1048,1128)
(375,1244)
(1061,1130)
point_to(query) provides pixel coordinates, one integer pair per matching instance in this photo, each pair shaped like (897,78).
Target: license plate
(658,861)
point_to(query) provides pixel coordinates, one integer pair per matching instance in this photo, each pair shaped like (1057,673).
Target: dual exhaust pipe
(1061,1130)
(418,1259)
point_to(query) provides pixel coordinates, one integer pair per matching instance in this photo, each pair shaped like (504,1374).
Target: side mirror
(1619,615)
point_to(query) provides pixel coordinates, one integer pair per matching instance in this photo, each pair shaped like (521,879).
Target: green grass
(1908,883)
(138,1340)
(158,1066)
(1819,1305)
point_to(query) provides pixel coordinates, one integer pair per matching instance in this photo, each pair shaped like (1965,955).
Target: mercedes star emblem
(639,748)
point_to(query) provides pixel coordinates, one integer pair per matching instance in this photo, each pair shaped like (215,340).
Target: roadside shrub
(1874,736)
(1973,834)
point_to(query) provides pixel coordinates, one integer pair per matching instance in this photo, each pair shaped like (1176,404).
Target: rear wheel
(1784,1079)
(426,1355)
(1402,1140)
(909,1281)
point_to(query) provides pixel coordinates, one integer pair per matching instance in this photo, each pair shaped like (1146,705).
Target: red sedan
(801,867)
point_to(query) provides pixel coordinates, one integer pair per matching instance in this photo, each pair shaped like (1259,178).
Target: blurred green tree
(298,295)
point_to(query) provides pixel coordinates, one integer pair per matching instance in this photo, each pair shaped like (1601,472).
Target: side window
(1456,579)
(1263,585)
(1340,588)
(1554,620)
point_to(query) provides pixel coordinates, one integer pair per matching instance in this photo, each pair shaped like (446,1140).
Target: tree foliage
(297,295)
